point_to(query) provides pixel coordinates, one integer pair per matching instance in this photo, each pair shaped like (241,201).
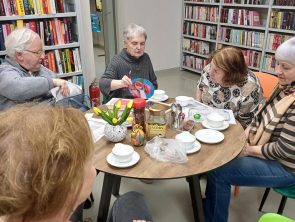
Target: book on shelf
(58,61)
(256,18)
(32,7)
(2,9)
(2,46)
(20,7)
(275,39)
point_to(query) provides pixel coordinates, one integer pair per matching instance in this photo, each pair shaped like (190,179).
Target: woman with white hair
(132,62)
(268,159)
(22,76)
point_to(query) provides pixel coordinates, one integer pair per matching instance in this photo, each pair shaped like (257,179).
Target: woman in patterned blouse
(227,83)
(268,159)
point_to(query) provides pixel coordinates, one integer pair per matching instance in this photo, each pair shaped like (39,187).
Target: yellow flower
(129,104)
(96,110)
(129,119)
(114,120)
(118,104)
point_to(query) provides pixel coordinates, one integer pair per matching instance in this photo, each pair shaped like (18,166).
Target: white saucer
(165,97)
(209,136)
(112,160)
(223,127)
(197,147)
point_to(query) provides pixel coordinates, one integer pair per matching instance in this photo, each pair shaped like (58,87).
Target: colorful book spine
(20,7)
(26,7)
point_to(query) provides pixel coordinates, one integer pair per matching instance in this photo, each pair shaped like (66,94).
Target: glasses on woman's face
(37,53)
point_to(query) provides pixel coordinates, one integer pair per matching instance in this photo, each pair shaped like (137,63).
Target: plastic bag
(166,150)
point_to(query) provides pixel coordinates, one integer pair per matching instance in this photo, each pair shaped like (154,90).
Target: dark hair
(231,60)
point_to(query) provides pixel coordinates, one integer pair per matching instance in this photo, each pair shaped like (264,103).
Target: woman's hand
(140,221)
(198,95)
(252,151)
(63,86)
(121,83)
(247,131)
(126,81)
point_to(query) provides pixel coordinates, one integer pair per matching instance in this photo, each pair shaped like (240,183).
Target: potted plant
(114,130)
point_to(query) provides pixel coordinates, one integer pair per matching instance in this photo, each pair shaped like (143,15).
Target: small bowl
(122,153)
(186,139)
(183,100)
(159,94)
(215,120)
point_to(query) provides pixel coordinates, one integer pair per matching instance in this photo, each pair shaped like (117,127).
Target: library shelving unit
(65,32)
(257,27)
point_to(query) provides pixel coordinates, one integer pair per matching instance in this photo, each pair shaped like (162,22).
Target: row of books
(63,60)
(282,20)
(284,2)
(55,31)
(250,2)
(242,37)
(202,13)
(196,46)
(199,30)
(274,40)
(269,62)
(252,58)
(240,17)
(31,7)
(194,62)
(78,80)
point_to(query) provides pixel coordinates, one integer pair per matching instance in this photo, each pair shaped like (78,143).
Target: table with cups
(212,149)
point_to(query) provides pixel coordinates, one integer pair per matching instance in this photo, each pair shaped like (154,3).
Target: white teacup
(159,94)
(186,139)
(215,120)
(122,153)
(184,100)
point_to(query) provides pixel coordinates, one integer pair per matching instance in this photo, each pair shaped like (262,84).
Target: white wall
(162,20)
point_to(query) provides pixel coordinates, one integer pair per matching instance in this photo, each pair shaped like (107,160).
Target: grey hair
(132,30)
(19,40)
(286,51)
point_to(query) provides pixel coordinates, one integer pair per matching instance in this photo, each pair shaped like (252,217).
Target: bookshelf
(65,30)
(257,27)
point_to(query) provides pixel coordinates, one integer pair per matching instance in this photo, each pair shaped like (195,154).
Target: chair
(286,192)
(271,217)
(267,82)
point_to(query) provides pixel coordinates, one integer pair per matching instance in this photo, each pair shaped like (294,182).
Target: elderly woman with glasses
(227,83)
(132,62)
(268,159)
(22,76)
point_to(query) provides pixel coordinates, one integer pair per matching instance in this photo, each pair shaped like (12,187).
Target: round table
(209,157)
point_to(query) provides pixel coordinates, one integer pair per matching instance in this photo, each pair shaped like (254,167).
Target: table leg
(196,196)
(105,198)
(116,186)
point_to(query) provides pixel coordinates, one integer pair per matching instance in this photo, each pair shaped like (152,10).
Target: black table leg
(196,196)
(105,197)
(116,186)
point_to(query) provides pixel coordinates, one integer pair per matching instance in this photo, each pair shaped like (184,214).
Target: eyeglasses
(38,53)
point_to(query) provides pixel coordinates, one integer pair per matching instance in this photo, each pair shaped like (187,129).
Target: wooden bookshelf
(67,22)
(257,27)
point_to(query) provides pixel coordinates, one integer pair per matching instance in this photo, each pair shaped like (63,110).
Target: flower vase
(115,133)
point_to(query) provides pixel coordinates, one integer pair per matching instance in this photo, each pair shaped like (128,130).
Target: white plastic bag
(166,150)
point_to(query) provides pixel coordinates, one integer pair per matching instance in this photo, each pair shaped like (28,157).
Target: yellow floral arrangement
(112,117)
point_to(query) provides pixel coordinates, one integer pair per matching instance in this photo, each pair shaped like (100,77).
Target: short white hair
(19,40)
(132,30)
(286,51)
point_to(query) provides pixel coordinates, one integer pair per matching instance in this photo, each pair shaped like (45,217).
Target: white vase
(115,133)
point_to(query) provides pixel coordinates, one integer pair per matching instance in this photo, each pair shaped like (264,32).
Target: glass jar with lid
(156,124)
